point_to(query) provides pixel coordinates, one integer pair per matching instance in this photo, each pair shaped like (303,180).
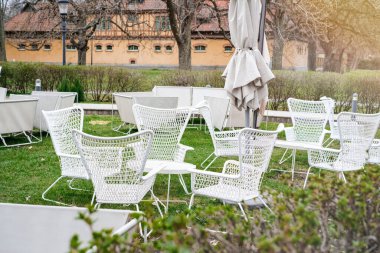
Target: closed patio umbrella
(248,72)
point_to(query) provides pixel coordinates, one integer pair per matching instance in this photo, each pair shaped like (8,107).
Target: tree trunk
(3,55)
(312,55)
(332,58)
(82,56)
(278,51)
(184,55)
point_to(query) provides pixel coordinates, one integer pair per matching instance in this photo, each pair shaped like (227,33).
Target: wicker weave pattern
(168,126)
(116,166)
(309,120)
(356,135)
(60,124)
(255,150)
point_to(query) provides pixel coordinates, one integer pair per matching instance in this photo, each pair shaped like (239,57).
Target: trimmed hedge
(98,83)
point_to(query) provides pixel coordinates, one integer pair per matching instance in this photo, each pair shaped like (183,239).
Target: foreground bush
(328,217)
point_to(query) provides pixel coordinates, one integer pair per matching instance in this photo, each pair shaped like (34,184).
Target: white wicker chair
(356,135)
(60,124)
(116,166)
(168,126)
(239,181)
(309,120)
(226,143)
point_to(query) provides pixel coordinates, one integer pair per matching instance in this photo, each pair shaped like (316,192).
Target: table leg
(293,163)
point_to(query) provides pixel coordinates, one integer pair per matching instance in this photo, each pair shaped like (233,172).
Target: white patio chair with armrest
(60,124)
(226,143)
(374,150)
(309,120)
(16,117)
(168,126)
(124,102)
(239,181)
(116,166)
(356,133)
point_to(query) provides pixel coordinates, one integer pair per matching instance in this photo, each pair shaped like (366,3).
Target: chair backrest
(157,102)
(205,111)
(60,124)
(219,110)
(168,126)
(17,115)
(66,101)
(309,119)
(184,94)
(124,106)
(331,107)
(3,93)
(255,151)
(199,94)
(356,132)
(114,163)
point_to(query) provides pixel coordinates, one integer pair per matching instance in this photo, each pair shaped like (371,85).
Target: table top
(170,167)
(31,228)
(296,145)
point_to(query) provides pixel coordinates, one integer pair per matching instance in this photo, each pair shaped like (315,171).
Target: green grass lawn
(25,172)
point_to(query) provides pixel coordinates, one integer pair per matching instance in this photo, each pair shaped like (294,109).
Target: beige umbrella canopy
(248,72)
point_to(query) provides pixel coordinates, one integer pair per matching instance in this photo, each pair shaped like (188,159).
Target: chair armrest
(185,148)
(153,172)
(68,155)
(227,134)
(289,134)
(213,174)
(323,155)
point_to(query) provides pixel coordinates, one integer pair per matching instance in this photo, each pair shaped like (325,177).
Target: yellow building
(110,46)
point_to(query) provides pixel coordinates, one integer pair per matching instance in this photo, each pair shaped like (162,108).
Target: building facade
(155,49)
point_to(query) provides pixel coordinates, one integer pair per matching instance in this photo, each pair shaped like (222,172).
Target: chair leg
(3,141)
(294,152)
(307,176)
(203,164)
(157,202)
(48,189)
(265,204)
(93,198)
(74,188)
(27,136)
(283,159)
(182,181)
(168,195)
(191,201)
(341,176)
(242,210)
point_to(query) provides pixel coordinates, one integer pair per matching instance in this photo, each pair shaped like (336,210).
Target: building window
(203,20)
(132,61)
(133,48)
(228,49)
(169,49)
(70,47)
(135,1)
(200,48)
(98,48)
(34,47)
(162,23)
(132,18)
(157,48)
(47,47)
(105,24)
(21,47)
(301,50)
(109,48)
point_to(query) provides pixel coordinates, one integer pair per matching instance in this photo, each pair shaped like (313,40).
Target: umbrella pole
(261,48)
(247,117)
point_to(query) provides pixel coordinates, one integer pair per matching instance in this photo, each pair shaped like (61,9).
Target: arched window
(109,48)
(169,48)
(21,46)
(133,48)
(228,49)
(34,47)
(47,47)
(157,48)
(132,61)
(200,48)
(98,47)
